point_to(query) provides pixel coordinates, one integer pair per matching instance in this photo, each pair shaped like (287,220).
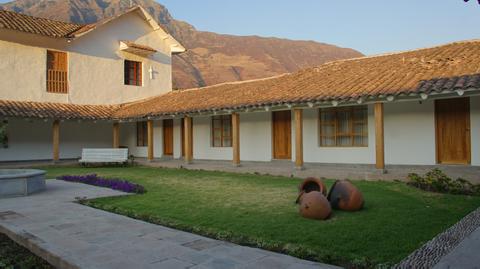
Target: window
(222,131)
(3,134)
(142,134)
(344,127)
(133,73)
(57,72)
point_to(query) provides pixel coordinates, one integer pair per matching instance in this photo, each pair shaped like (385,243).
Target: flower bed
(112,183)
(438,181)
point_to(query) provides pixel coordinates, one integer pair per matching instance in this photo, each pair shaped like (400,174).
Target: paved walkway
(70,235)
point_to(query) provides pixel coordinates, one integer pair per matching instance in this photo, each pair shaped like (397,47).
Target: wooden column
(379,137)
(298,114)
(150,139)
(56,140)
(188,139)
(116,135)
(236,138)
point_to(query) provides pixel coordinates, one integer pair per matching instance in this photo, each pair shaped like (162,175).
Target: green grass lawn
(260,211)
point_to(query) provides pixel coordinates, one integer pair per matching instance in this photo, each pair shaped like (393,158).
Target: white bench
(104,156)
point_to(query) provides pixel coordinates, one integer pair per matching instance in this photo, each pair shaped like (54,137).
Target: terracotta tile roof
(55,110)
(443,68)
(33,25)
(51,28)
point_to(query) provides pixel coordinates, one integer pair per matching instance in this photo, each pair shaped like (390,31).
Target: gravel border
(433,251)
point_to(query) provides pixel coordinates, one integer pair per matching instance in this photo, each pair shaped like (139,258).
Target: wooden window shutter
(57,72)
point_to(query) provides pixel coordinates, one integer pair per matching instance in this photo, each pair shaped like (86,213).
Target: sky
(370,26)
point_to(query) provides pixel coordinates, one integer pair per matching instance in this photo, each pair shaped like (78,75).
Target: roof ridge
(231,83)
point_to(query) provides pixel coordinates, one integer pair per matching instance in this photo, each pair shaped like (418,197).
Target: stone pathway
(466,255)
(69,235)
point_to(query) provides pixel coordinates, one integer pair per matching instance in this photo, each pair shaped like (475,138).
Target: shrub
(112,183)
(437,181)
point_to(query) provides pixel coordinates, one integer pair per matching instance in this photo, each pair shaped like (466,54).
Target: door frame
(468,134)
(273,134)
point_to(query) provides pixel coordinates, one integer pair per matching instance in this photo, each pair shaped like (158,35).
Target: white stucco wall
(410,133)
(409,138)
(96,66)
(202,142)
(475,129)
(316,154)
(255,139)
(128,138)
(177,138)
(23,74)
(255,136)
(32,140)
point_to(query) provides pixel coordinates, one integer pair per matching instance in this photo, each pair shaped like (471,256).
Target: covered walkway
(332,171)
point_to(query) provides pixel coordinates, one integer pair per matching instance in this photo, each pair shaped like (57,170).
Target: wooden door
(282,134)
(452,118)
(183,136)
(168,137)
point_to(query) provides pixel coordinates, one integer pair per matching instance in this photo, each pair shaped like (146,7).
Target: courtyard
(259,211)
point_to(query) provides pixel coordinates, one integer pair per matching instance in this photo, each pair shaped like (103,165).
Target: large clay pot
(313,184)
(345,196)
(314,205)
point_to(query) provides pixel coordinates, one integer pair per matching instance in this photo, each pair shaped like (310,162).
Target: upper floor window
(142,134)
(57,72)
(344,127)
(133,73)
(222,131)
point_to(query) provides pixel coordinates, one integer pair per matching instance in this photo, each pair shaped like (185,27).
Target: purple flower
(112,183)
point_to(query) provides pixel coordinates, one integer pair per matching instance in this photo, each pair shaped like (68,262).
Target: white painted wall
(410,133)
(475,129)
(103,68)
(96,66)
(177,139)
(32,140)
(316,154)
(255,139)
(409,138)
(255,136)
(23,74)
(74,136)
(202,142)
(128,138)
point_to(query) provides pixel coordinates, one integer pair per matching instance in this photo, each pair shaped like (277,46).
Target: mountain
(211,58)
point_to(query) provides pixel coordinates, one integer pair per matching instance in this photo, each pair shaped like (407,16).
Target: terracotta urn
(314,205)
(345,196)
(313,184)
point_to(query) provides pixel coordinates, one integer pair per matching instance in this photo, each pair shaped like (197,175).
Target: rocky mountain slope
(211,58)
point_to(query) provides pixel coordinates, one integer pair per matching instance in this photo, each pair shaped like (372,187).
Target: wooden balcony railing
(57,81)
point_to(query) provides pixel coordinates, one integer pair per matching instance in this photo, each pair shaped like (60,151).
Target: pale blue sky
(370,26)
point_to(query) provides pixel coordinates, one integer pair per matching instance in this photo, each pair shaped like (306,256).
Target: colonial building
(65,87)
